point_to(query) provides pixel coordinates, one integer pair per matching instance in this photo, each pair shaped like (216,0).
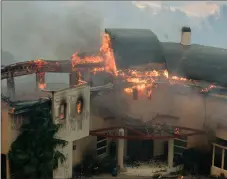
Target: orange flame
(142,80)
(107,57)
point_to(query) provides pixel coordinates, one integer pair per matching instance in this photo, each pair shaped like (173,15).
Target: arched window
(79,105)
(62,109)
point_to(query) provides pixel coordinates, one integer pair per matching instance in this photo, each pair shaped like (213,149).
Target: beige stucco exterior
(6,133)
(191,108)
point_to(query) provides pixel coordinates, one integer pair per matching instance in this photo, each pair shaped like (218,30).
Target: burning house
(164,97)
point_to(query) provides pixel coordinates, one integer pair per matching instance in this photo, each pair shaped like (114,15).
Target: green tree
(33,154)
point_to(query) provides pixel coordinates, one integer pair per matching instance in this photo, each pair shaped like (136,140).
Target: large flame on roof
(106,56)
(142,81)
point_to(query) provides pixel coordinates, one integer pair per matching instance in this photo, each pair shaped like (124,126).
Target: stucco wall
(166,99)
(89,143)
(5,132)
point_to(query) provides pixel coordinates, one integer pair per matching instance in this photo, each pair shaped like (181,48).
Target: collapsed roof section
(133,47)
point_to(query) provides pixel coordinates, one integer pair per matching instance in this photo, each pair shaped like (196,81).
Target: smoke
(49,30)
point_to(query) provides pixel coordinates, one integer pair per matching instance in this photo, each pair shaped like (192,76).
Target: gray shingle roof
(197,62)
(134,47)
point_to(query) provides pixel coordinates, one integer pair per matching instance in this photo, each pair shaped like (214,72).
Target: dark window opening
(63,111)
(101,151)
(101,144)
(178,150)
(99,138)
(220,141)
(3,166)
(218,157)
(225,160)
(74,147)
(180,143)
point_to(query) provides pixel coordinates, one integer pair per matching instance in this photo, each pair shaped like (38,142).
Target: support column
(64,170)
(40,80)
(120,151)
(170,153)
(11,86)
(223,159)
(213,155)
(125,143)
(73,78)
(158,148)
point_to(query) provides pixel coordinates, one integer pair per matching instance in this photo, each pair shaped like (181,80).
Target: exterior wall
(65,169)
(5,132)
(90,143)
(168,100)
(71,130)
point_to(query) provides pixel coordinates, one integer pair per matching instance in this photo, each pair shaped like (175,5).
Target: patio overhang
(138,135)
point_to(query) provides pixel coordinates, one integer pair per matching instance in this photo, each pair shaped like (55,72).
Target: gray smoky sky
(48,30)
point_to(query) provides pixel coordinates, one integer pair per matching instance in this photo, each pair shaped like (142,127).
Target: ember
(143,81)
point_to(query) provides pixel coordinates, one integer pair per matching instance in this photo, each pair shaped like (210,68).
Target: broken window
(79,105)
(62,111)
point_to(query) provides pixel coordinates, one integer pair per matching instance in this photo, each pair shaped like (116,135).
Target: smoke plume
(48,30)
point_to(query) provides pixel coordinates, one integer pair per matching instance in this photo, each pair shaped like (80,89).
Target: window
(178,150)
(180,143)
(225,160)
(74,147)
(62,110)
(101,151)
(217,157)
(101,145)
(79,105)
(220,141)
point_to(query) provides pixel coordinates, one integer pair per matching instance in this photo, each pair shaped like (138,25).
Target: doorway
(3,166)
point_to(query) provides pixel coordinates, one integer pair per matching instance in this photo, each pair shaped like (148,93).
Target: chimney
(185,36)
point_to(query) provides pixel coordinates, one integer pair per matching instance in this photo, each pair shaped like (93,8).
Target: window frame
(64,104)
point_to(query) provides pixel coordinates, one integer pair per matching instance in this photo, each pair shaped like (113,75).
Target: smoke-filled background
(54,30)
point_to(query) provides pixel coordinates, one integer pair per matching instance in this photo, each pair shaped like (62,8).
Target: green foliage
(33,154)
(92,164)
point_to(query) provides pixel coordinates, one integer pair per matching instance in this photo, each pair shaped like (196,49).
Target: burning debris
(137,81)
(141,81)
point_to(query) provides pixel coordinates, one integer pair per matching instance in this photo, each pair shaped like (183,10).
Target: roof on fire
(133,47)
